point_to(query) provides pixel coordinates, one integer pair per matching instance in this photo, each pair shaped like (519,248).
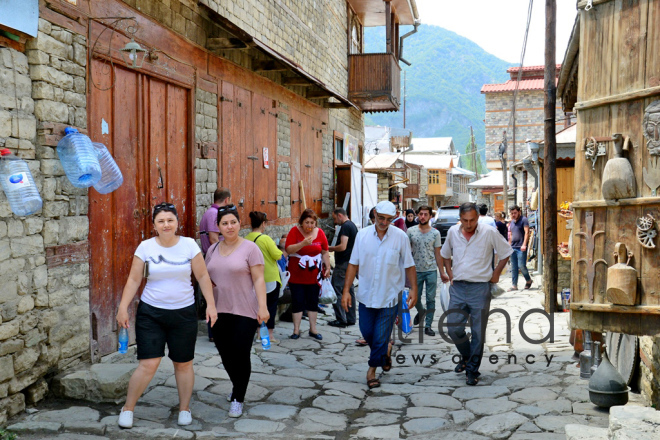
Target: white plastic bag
(284,276)
(444,296)
(495,290)
(327,295)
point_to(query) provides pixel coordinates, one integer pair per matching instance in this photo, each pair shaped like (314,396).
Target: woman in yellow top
(271,272)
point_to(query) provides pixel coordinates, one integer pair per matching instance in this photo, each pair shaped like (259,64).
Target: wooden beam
(388,26)
(318,94)
(339,105)
(218,44)
(268,66)
(296,81)
(638,201)
(622,97)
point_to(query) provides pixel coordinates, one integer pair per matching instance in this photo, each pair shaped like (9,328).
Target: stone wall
(649,377)
(206,130)
(529,121)
(44,308)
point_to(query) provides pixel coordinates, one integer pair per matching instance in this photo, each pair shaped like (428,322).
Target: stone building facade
(528,118)
(45,323)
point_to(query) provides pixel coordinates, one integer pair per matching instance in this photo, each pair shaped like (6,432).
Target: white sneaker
(236,409)
(185,418)
(229,397)
(125,419)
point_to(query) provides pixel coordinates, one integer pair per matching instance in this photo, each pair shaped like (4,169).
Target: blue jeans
(519,261)
(376,328)
(473,299)
(431,280)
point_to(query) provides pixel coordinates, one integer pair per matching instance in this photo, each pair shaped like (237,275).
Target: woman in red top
(307,247)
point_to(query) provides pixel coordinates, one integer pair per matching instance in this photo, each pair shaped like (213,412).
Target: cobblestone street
(310,389)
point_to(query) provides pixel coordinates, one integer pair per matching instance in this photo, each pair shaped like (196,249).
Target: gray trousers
(338,278)
(473,299)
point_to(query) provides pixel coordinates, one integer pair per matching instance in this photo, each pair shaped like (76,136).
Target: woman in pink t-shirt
(307,247)
(236,267)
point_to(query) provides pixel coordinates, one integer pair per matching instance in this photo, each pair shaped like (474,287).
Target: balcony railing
(374,82)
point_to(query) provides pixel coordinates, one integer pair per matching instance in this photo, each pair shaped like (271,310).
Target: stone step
(583,432)
(98,382)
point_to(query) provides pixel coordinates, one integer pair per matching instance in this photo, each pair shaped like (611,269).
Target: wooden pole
(302,195)
(550,162)
(505,176)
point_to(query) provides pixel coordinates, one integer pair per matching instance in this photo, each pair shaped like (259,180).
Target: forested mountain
(443,84)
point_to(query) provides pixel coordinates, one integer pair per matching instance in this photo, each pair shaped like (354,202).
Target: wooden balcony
(374,82)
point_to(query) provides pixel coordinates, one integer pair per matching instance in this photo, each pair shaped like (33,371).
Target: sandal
(295,336)
(361,343)
(373,383)
(528,284)
(512,289)
(388,360)
(460,367)
(472,380)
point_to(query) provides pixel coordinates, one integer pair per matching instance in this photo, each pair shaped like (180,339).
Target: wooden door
(296,163)
(144,122)
(237,147)
(264,129)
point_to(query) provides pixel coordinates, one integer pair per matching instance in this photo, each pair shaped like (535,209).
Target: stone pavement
(310,389)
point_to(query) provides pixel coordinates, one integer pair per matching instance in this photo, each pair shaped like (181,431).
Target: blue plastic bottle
(111,177)
(265,337)
(406,324)
(123,340)
(18,184)
(79,159)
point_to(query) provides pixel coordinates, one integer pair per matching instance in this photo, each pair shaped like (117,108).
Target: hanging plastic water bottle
(123,340)
(111,177)
(265,337)
(79,159)
(406,325)
(18,184)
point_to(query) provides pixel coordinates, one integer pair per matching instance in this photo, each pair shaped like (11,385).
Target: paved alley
(310,389)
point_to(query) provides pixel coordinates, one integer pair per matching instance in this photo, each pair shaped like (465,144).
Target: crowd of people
(240,280)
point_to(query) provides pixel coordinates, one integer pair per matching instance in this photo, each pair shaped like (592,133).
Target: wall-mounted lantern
(133,54)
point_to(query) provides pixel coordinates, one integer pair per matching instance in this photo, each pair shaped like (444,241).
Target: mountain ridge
(443,84)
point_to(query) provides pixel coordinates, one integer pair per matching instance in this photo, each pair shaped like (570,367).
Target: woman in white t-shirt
(166,313)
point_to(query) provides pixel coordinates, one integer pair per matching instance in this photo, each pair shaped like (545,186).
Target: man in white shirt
(383,256)
(485,218)
(467,255)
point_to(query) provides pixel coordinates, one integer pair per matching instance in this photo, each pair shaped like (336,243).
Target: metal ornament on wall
(593,150)
(589,260)
(646,232)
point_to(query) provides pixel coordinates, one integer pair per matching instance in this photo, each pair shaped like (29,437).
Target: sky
(498,26)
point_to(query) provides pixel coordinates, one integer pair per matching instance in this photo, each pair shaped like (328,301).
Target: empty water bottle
(111,177)
(79,159)
(406,325)
(265,337)
(123,340)
(18,184)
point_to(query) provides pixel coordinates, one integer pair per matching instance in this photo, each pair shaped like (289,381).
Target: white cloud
(498,26)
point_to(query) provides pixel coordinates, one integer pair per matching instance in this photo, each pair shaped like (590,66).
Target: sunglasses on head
(164,207)
(227,208)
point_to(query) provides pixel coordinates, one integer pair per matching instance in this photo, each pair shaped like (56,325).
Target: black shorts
(304,297)
(155,327)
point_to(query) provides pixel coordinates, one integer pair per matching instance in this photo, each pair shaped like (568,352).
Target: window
(339,149)
(356,35)
(434,177)
(450,179)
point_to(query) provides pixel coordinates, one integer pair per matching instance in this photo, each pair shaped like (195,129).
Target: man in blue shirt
(519,227)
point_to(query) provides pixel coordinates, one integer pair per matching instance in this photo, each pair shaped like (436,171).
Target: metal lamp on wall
(133,54)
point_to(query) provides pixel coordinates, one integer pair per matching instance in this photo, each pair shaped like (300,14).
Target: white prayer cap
(386,208)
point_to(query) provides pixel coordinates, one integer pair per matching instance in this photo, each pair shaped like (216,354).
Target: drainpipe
(403,37)
(527,163)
